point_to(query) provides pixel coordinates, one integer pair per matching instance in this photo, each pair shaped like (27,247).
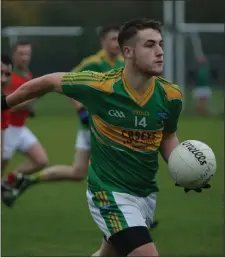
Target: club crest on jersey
(116,113)
(162,115)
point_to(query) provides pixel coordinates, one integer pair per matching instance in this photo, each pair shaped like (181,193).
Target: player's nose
(159,51)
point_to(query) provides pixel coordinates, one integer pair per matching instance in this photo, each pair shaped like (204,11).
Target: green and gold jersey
(99,62)
(126,128)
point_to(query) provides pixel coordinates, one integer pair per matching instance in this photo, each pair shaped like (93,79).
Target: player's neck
(111,57)
(136,80)
(22,69)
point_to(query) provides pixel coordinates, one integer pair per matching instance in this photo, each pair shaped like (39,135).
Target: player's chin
(157,71)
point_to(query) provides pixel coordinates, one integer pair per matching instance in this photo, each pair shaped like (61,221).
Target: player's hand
(197,190)
(32,114)
(83,114)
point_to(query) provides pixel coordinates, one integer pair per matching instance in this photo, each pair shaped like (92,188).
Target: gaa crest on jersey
(116,113)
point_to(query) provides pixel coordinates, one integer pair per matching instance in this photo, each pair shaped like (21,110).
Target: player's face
(6,71)
(22,56)
(147,53)
(110,43)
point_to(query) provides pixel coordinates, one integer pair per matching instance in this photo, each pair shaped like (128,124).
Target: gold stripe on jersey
(172,90)
(140,99)
(102,198)
(100,81)
(138,140)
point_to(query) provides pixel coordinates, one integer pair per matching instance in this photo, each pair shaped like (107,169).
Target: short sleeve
(175,107)
(79,86)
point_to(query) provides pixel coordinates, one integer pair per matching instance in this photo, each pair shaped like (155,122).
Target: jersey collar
(140,99)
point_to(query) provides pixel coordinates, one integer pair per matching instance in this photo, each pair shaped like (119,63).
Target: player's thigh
(82,156)
(107,250)
(83,140)
(11,139)
(81,161)
(148,249)
(121,218)
(30,146)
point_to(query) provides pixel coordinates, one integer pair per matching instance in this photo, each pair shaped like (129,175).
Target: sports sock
(37,177)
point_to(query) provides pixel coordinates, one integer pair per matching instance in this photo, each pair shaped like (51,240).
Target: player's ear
(128,52)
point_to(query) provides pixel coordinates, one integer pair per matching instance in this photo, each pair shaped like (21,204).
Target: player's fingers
(198,190)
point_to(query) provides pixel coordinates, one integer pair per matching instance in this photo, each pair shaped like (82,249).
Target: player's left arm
(170,139)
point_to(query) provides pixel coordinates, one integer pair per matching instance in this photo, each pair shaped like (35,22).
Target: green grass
(53,219)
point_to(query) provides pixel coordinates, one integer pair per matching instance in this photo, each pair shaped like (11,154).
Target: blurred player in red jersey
(6,71)
(17,136)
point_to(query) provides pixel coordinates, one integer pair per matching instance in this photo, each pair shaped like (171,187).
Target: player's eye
(149,45)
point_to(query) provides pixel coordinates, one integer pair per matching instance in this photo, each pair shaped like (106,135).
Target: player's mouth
(159,62)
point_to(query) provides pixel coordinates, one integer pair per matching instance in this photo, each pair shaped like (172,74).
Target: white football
(192,164)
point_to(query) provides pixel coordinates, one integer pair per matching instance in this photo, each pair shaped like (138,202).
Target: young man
(6,71)
(17,136)
(133,116)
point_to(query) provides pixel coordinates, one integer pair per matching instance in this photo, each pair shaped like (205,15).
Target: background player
(104,60)
(6,71)
(202,92)
(17,136)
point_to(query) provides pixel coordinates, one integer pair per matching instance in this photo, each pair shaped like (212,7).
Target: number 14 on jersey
(140,121)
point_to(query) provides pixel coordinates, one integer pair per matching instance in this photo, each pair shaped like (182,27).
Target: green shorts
(113,211)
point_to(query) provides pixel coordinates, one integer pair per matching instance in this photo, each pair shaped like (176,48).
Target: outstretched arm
(36,87)
(23,106)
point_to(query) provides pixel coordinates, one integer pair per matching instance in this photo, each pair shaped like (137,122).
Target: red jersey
(18,119)
(5,119)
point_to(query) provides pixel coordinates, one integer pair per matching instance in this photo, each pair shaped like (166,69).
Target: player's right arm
(80,86)
(23,106)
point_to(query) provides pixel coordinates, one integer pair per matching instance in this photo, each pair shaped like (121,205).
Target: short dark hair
(6,60)
(130,29)
(108,28)
(20,43)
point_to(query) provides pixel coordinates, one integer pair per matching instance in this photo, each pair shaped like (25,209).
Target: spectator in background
(202,92)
